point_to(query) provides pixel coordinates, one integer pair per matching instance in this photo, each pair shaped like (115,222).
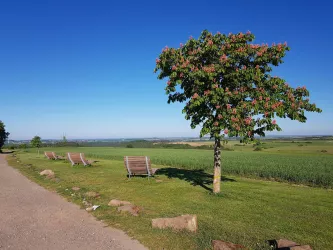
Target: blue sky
(85,68)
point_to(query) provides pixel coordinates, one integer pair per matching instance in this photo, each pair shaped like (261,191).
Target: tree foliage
(3,134)
(36,142)
(227,84)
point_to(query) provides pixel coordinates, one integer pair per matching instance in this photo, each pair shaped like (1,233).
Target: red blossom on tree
(205,73)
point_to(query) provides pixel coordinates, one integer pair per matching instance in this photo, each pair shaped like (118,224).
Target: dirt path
(32,217)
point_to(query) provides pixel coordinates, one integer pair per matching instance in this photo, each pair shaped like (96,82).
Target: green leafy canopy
(226,83)
(36,142)
(3,134)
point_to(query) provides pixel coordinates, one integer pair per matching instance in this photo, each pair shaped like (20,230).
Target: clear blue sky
(85,68)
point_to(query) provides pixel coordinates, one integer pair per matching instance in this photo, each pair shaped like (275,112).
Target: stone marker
(133,210)
(224,245)
(92,194)
(48,173)
(75,188)
(188,222)
(117,203)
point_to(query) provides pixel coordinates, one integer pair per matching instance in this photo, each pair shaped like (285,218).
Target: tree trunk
(217,166)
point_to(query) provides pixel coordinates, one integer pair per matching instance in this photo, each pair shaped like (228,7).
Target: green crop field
(309,163)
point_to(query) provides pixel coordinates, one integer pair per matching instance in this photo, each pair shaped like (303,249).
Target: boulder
(281,243)
(48,173)
(129,208)
(117,203)
(188,222)
(75,188)
(224,245)
(92,194)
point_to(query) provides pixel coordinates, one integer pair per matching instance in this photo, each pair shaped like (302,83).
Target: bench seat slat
(138,165)
(77,158)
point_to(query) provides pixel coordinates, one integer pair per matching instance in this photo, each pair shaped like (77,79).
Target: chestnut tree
(228,89)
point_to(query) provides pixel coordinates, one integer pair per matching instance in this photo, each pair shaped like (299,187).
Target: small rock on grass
(187,222)
(117,203)
(75,188)
(48,173)
(89,209)
(281,243)
(93,208)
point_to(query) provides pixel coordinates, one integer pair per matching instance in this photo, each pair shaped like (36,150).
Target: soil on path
(32,217)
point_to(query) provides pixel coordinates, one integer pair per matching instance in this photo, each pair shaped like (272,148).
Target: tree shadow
(195,177)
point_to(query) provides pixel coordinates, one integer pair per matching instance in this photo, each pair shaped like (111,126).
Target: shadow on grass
(195,177)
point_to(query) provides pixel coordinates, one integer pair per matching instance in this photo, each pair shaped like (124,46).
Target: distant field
(313,146)
(309,163)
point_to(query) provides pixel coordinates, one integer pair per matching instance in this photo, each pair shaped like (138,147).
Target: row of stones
(183,222)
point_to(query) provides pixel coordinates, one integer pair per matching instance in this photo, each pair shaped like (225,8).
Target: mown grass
(247,212)
(315,169)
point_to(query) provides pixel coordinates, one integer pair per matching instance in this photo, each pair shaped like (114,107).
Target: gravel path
(32,217)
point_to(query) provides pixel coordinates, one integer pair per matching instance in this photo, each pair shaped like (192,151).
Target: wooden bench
(78,158)
(138,165)
(51,156)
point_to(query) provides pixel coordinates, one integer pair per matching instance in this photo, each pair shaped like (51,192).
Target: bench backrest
(138,165)
(50,155)
(77,158)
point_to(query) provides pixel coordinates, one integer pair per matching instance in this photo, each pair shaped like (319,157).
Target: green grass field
(247,212)
(282,161)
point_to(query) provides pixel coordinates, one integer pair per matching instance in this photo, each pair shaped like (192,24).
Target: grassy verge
(313,169)
(248,212)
